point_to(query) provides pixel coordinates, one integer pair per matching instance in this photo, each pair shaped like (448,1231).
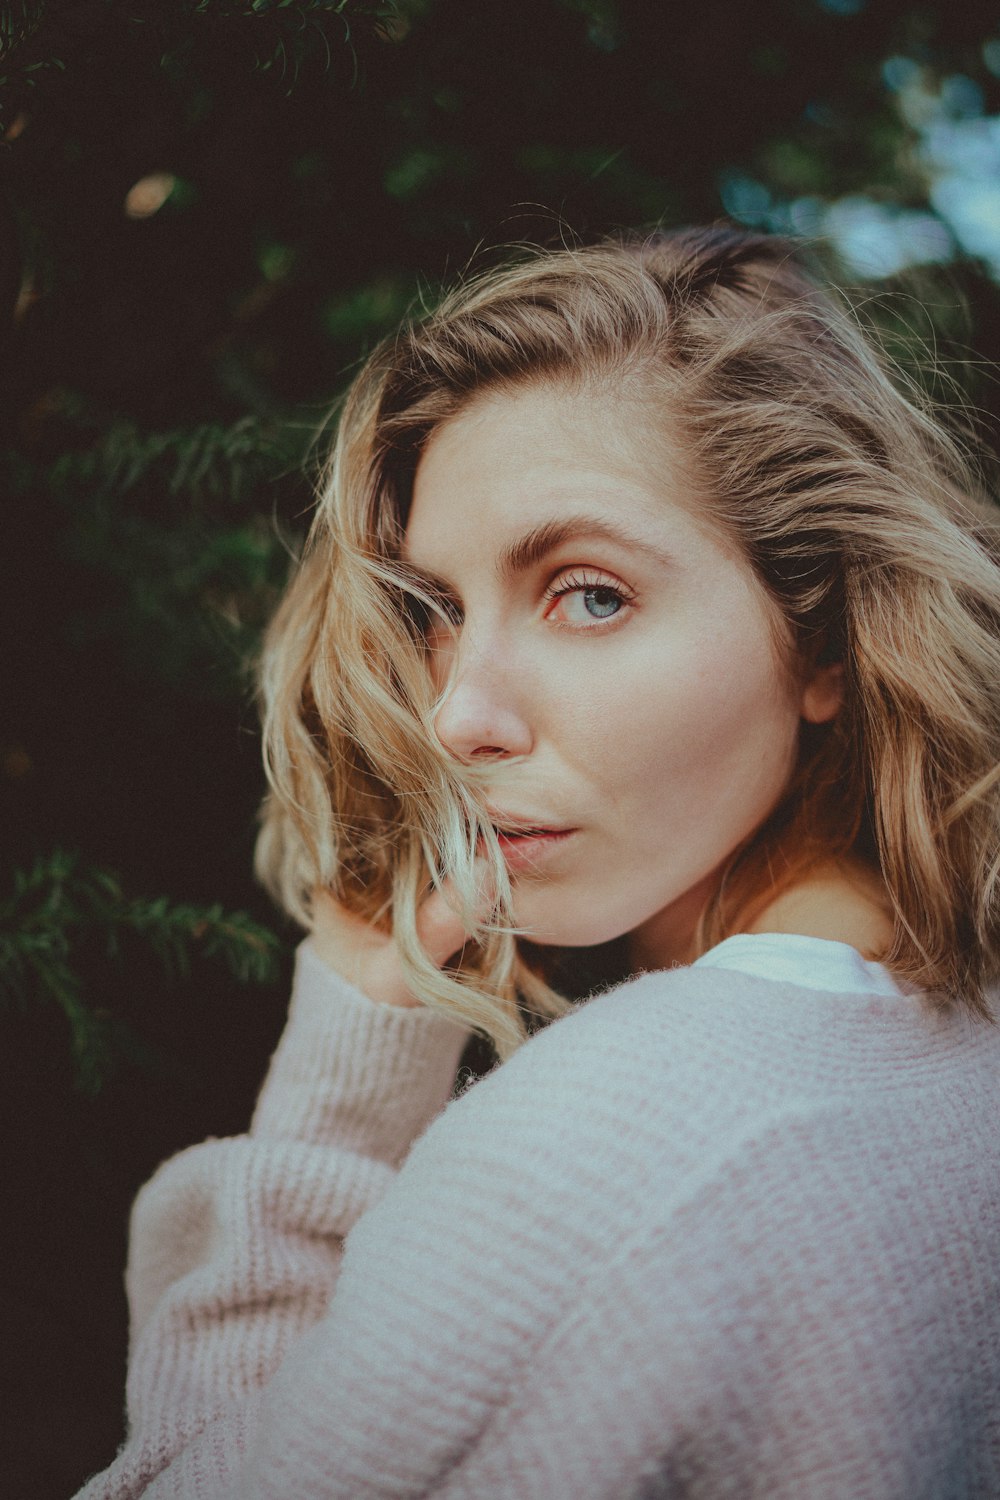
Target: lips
(510,825)
(523,852)
(525,841)
(514,831)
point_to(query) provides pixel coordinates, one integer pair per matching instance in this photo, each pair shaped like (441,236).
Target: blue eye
(602,602)
(581,600)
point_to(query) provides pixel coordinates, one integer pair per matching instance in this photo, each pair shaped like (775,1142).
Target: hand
(369,959)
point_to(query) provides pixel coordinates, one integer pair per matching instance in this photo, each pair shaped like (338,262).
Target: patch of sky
(958,153)
(842,7)
(961,97)
(746,199)
(878,239)
(873,239)
(900,73)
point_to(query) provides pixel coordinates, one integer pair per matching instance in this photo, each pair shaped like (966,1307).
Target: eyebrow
(535,545)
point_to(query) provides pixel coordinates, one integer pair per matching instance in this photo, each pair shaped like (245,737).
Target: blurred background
(209,211)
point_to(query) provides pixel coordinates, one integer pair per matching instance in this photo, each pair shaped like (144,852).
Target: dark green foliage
(17,21)
(214,208)
(210,210)
(277,36)
(177,523)
(60,906)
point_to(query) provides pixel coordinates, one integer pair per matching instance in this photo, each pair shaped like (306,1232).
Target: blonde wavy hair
(863,520)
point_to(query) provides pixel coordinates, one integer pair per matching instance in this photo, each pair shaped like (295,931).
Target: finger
(338,922)
(441,927)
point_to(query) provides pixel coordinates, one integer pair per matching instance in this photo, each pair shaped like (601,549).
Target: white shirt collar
(815,963)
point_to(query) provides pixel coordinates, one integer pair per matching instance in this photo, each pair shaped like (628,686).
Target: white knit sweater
(714,1234)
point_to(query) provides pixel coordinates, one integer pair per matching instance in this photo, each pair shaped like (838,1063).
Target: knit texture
(711,1235)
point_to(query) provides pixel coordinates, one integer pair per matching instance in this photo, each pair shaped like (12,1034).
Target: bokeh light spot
(145,197)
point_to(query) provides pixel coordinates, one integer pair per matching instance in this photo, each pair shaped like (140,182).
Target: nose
(481,714)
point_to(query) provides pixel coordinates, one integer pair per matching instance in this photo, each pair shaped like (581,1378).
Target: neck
(842,900)
(669,937)
(845,901)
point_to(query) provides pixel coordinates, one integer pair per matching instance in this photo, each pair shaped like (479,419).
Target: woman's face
(615,664)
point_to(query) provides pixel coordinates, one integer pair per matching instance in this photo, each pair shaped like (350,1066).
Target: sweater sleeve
(235,1245)
(669,1248)
(390,1367)
(450,1284)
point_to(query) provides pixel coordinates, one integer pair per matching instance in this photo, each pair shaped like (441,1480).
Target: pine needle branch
(59,904)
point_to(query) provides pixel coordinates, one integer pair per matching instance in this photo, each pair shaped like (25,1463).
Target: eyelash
(581,581)
(421,618)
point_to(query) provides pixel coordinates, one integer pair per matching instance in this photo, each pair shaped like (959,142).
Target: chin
(585,927)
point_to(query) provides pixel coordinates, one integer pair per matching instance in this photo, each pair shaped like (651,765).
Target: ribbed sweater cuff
(355,1072)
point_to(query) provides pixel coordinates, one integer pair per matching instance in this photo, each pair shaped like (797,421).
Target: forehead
(514,459)
(495,481)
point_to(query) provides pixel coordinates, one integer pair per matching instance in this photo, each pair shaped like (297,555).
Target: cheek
(703,733)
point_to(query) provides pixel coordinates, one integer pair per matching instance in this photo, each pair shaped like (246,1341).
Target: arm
(236,1245)
(656,1252)
(449,1286)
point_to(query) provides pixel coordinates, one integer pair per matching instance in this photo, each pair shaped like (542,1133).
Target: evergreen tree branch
(59,904)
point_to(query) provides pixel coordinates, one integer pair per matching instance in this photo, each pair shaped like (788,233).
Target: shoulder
(771,1120)
(715,1151)
(676,1070)
(698,1030)
(841,901)
(649,1080)
(667,1023)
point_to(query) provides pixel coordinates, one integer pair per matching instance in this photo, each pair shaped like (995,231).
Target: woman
(644,621)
